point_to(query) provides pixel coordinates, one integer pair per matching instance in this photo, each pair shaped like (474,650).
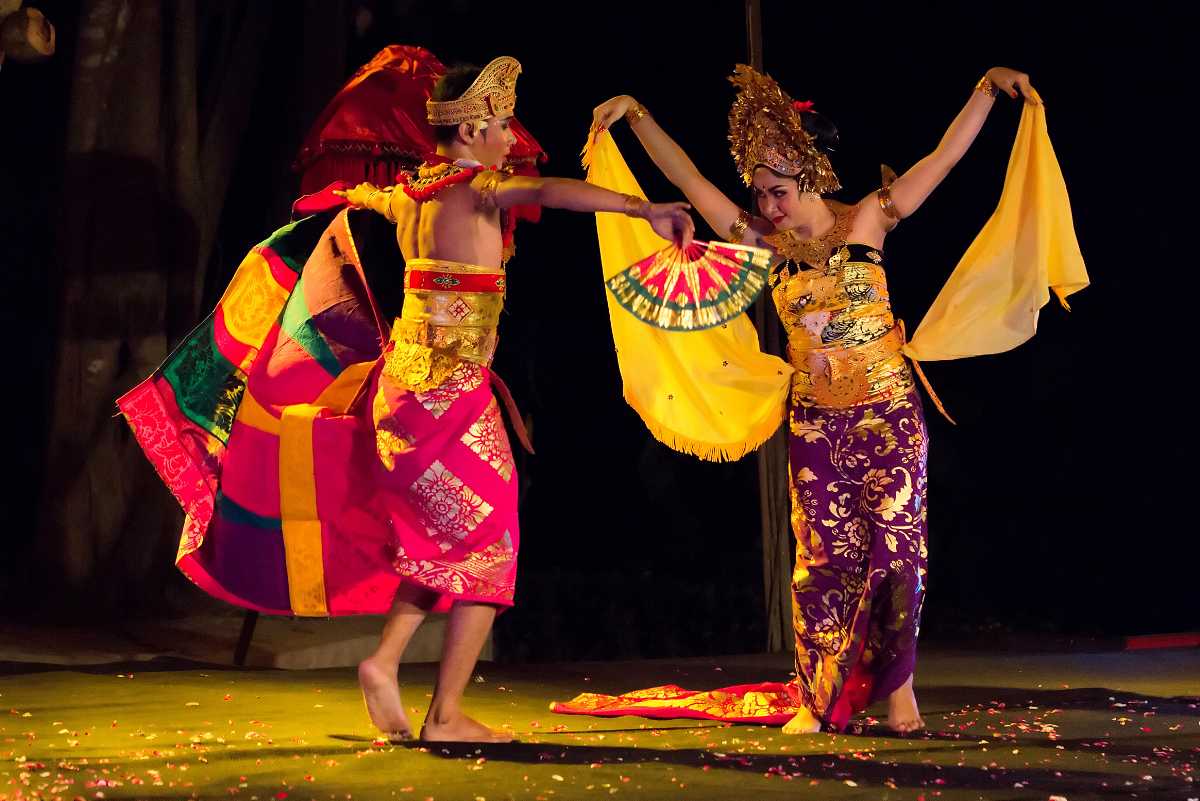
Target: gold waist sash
(841,376)
(450,314)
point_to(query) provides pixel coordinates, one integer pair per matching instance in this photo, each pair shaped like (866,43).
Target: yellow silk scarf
(710,393)
(991,301)
(714,394)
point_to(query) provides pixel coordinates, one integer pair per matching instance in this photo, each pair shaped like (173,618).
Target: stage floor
(1002,726)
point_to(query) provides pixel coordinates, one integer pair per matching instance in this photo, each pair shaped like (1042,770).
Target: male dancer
(329,466)
(448,218)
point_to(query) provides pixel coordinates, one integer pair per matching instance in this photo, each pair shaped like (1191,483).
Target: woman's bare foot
(802,723)
(381,692)
(459,728)
(903,715)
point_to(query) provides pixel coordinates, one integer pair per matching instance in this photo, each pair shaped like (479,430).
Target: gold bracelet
(636,112)
(738,229)
(986,86)
(635,206)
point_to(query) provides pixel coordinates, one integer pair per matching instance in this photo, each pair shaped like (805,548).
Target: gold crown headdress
(492,94)
(765,129)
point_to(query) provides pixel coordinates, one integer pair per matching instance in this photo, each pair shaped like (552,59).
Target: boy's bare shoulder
(461,195)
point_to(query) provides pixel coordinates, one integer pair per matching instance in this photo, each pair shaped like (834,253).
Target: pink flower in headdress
(802,105)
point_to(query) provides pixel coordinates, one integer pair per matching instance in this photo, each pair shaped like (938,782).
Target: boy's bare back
(454,226)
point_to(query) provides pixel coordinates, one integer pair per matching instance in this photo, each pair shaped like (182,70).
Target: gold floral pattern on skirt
(487,438)
(391,440)
(481,573)
(451,510)
(858,482)
(466,377)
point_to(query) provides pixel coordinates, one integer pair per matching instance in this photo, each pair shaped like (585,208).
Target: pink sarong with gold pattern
(324,453)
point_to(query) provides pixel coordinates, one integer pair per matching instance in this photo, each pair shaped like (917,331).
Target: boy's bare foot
(381,692)
(903,715)
(460,729)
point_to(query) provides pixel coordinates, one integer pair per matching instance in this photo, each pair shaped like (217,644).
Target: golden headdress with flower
(765,129)
(492,94)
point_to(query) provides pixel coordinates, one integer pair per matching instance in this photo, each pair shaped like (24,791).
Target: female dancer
(858,441)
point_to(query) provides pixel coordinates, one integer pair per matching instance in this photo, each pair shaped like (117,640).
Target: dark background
(1059,505)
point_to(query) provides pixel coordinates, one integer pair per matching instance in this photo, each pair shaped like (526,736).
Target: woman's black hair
(822,128)
(451,86)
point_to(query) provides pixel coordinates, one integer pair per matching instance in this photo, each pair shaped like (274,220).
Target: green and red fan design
(701,287)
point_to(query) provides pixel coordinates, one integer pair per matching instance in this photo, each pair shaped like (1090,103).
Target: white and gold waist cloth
(450,314)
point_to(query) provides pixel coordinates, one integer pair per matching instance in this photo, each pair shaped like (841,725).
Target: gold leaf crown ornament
(765,129)
(492,94)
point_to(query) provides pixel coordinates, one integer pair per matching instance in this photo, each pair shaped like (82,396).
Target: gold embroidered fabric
(488,440)
(430,179)
(815,252)
(437,400)
(391,440)
(841,376)
(445,320)
(486,572)
(842,339)
(449,508)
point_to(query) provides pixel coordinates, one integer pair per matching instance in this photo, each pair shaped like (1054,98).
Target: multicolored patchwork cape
(273,425)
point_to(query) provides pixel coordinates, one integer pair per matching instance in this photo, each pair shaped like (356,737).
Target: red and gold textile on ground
(768,704)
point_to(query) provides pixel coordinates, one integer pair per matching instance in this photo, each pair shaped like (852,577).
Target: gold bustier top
(842,339)
(450,315)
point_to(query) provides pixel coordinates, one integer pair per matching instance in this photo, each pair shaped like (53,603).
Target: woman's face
(778,198)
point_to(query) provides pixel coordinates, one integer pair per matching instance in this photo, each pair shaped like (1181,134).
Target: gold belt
(450,315)
(841,376)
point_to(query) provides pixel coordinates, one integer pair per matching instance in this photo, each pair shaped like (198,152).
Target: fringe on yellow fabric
(709,451)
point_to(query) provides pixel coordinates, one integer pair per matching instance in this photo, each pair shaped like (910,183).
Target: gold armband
(488,185)
(738,229)
(885,203)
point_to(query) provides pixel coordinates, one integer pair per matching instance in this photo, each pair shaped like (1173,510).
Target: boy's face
(491,145)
